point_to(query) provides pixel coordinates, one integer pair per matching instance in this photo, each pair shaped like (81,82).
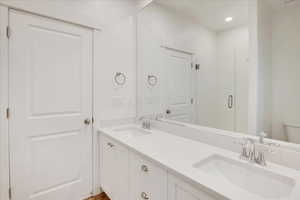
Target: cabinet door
(180,190)
(114,169)
(120,174)
(106,166)
(147,181)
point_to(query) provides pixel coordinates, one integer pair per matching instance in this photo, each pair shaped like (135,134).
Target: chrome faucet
(146,122)
(146,119)
(249,152)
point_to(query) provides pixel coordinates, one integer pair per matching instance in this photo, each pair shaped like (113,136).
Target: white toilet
(293,132)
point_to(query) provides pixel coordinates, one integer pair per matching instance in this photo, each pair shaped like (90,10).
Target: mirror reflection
(194,65)
(198,50)
(279,48)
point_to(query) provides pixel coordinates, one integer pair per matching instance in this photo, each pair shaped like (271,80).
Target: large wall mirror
(279,68)
(194,64)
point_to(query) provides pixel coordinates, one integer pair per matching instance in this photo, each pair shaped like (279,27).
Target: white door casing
(179,85)
(50,95)
(233,78)
(4,149)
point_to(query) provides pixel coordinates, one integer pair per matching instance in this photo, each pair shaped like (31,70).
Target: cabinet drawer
(147,180)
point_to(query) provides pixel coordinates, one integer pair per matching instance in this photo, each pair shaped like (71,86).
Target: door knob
(87,121)
(168,111)
(144,168)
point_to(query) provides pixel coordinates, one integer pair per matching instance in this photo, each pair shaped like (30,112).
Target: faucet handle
(244,152)
(260,156)
(260,159)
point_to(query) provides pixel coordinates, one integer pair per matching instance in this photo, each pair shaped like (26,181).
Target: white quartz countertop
(178,155)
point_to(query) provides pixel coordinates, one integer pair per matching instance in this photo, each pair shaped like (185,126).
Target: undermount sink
(132,132)
(253,179)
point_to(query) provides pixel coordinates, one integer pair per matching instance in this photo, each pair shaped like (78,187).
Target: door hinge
(9,193)
(192,100)
(93,120)
(197,68)
(7,113)
(8,32)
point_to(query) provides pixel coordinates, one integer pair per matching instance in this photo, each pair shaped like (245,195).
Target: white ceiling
(211,13)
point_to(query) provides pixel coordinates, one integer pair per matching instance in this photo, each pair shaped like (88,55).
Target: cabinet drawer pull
(144,168)
(110,144)
(144,196)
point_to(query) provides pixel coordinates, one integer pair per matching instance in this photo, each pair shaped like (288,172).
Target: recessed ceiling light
(228,19)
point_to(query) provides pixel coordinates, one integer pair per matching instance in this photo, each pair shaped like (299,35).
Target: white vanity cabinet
(126,175)
(180,190)
(147,180)
(114,169)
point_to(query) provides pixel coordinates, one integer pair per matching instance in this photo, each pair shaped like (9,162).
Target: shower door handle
(230,102)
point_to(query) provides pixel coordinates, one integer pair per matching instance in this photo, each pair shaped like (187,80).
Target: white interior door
(50,96)
(178,73)
(233,78)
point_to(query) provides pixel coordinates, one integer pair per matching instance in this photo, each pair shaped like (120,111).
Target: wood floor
(101,196)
